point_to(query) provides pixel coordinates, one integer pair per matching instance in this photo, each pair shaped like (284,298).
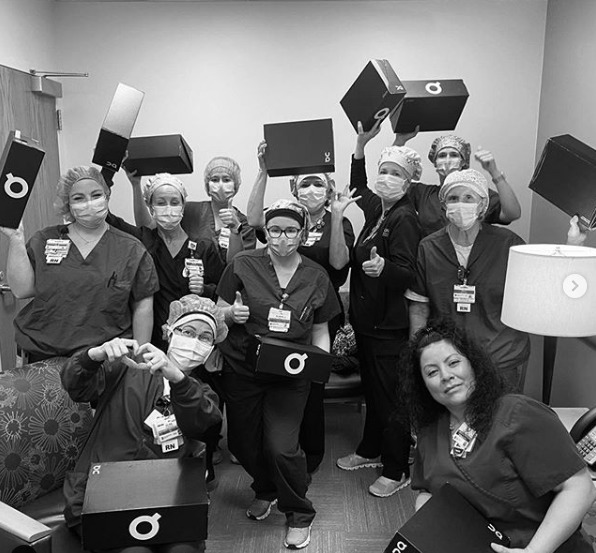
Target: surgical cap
(162,179)
(451,141)
(405,157)
(470,178)
(192,307)
(225,164)
(292,209)
(68,180)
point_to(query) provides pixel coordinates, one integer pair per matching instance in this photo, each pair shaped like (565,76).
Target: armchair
(42,432)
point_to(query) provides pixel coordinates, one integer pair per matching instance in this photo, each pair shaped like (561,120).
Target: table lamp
(551,290)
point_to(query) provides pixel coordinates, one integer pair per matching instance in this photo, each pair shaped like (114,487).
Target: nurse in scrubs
(88,282)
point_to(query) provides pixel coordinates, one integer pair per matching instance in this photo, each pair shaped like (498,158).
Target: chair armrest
(20,525)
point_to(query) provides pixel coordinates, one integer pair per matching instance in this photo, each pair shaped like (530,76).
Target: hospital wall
(216,72)
(566,107)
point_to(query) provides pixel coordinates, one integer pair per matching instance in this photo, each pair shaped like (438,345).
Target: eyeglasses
(290,232)
(189,332)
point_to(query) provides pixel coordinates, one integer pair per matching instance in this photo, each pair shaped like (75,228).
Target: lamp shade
(551,290)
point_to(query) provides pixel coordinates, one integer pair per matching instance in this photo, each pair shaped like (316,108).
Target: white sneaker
(385,487)
(353,461)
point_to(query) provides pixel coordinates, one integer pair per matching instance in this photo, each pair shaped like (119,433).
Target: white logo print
(152,520)
(292,357)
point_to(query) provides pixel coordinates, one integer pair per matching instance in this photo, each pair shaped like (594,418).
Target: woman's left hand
(374,266)
(157,360)
(487,160)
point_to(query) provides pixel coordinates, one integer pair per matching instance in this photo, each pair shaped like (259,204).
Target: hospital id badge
(224,238)
(279,320)
(193,266)
(56,250)
(313,237)
(464,296)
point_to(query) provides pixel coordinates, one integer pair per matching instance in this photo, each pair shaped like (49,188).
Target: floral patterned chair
(42,432)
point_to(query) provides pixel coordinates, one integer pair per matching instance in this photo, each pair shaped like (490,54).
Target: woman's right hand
(14,233)
(402,138)
(238,311)
(196,284)
(261,149)
(576,235)
(114,349)
(341,200)
(131,175)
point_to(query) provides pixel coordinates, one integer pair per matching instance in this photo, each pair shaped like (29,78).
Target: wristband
(500,176)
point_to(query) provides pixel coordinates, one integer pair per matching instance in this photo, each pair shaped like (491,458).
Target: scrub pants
(312,429)
(383,434)
(264,416)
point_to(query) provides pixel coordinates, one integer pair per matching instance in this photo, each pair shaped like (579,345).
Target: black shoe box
(375,94)
(117,127)
(433,105)
(145,502)
(284,358)
(566,177)
(149,155)
(299,147)
(20,163)
(446,523)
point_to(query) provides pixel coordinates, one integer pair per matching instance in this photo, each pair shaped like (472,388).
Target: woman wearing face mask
(132,385)
(383,266)
(185,263)
(330,240)
(86,279)
(451,153)
(274,292)
(461,275)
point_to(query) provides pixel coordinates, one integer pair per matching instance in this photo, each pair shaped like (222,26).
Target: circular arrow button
(575,286)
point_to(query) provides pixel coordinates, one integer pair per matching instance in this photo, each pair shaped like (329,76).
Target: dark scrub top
(378,308)
(125,397)
(172,283)
(310,299)
(198,221)
(79,301)
(437,273)
(425,198)
(525,455)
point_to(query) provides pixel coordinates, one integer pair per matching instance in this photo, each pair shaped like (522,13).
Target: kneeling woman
(274,292)
(520,467)
(127,396)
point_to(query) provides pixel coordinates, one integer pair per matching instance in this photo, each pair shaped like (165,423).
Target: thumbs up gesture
(228,216)
(374,266)
(576,235)
(239,312)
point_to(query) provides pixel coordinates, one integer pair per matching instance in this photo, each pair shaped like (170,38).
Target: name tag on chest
(56,250)
(313,237)
(279,320)
(464,296)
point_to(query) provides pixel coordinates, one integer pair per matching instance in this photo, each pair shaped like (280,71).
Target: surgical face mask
(282,246)
(188,353)
(168,217)
(390,188)
(445,166)
(221,191)
(312,197)
(90,214)
(462,215)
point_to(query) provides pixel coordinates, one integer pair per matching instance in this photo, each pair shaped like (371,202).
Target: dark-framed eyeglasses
(290,232)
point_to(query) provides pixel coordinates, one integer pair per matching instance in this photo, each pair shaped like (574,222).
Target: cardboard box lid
(20,163)
(299,147)
(157,483)
(369,97)
(435,105)
(565,176)
(447,523)
(124,110)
